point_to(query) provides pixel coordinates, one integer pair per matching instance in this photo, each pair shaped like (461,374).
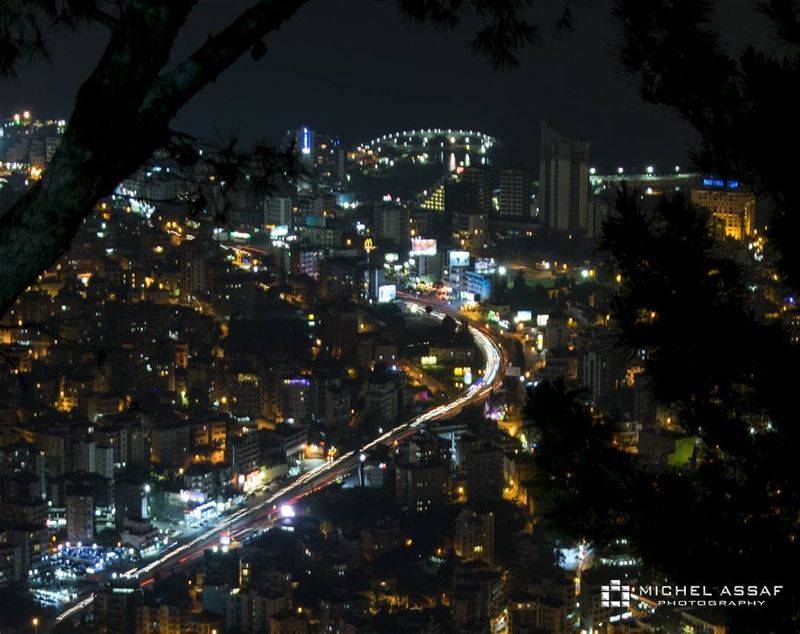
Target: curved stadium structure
(430,146)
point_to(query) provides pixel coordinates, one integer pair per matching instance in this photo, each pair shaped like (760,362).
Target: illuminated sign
(314,221)
(387,293)
(305,146)
(430,360)
(458,258)
(718,182)
(423,246)
(523,316)
(279,231)
(194,496)
(541,320)
(297,381)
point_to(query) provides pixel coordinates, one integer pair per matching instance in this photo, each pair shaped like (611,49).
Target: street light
(35,623)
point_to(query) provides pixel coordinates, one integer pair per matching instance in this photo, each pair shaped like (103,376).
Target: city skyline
(570,81)
(376,377)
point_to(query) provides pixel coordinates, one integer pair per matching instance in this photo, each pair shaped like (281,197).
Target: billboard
(458,258)
(485,265)
(387,293)
(423,246)
(523,316)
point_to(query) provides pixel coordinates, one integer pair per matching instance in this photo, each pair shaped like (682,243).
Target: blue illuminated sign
(306,142)
(718,182)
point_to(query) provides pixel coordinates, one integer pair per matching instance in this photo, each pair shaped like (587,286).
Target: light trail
(324,474)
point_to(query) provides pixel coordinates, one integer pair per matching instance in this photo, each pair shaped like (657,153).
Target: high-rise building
(278,211)
(162,619)
(598,212)
(481,179)
(542,614)
(115,609)
(515,194)
(195,272)
(477,597)
(421,486)
(329,161)
(383,398)
(484,470)
(322,154)
(731,206)
(563,181)
(390,222)
(469,229)
(80,518)
(474,536)
(10,564)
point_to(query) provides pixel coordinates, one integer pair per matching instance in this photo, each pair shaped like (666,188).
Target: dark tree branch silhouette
(684,308)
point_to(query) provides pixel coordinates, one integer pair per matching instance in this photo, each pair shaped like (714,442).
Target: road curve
(247,519)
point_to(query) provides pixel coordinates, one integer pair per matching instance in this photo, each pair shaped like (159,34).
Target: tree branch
(175,88)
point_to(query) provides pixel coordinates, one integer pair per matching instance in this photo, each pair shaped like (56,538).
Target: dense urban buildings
(312,417)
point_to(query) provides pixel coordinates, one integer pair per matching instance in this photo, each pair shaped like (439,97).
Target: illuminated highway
(247,519)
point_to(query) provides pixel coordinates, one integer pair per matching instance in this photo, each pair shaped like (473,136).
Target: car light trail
(324,474)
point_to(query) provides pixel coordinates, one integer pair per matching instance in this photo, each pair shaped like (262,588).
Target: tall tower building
(515,194)
(564,181)
(322,154)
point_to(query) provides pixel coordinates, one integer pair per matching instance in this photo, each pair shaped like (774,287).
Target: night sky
(359,68)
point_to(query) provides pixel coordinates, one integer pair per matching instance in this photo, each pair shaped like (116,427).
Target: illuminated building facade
(433,200)
(731,206)
(323,154)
